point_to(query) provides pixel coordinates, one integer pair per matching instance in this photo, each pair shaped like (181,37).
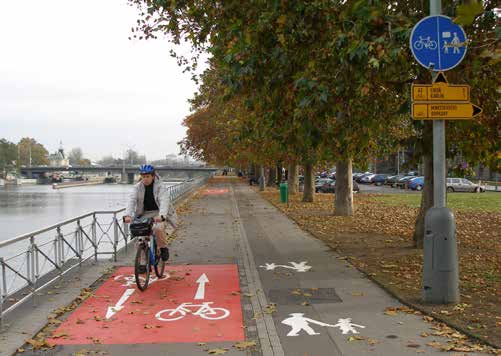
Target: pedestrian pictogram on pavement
(442,101)
(196,303)
(437,43)
(298,267)
(298,322)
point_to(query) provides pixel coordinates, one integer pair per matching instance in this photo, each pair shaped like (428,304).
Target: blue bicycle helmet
(146,169)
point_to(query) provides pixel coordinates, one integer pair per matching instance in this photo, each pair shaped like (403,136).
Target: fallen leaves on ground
(355,338)
(377,240)
(244,345)
(61,334)
(217,351)
(271,308)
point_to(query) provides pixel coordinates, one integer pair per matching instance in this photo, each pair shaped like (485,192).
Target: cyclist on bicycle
(150,199)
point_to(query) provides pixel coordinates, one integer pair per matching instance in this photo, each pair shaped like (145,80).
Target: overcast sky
(69,73)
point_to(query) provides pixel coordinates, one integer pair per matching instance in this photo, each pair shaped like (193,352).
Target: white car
(463,185)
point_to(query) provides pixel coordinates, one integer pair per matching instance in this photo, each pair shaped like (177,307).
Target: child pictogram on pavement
(298,322)
(347,326)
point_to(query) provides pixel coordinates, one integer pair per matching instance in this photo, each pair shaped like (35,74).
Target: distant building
(58,159)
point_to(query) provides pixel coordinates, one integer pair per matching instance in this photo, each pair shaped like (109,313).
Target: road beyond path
(243,279)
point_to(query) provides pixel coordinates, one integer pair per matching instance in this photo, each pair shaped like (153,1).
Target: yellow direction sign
(440,92)
(444,111)
(442,101)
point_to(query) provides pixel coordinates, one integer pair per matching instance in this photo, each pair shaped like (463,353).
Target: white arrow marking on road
(119,306)
(201,286)
(299,267)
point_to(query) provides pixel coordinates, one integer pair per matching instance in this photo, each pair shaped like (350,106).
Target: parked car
(379,179)
(330,187)
(359,178)
(367,179)
(416,183)
(463,185)
(392,180)
(402,182)
(320,182)
(356,175)
(412,173)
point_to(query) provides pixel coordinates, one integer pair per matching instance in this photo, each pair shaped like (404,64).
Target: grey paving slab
(275,238)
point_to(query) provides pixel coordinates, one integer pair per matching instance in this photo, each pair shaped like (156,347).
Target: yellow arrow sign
(444,111)
(440,92)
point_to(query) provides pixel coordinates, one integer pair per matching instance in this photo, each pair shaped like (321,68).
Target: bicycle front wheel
(142,266)
(159,265)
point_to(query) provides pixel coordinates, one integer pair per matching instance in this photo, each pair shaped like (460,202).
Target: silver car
(463,185)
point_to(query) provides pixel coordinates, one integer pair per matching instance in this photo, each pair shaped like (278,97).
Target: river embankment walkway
(242,279)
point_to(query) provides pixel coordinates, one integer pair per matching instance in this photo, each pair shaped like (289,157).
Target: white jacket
(135,206)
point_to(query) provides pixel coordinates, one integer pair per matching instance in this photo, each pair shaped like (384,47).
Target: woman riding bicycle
(150,199)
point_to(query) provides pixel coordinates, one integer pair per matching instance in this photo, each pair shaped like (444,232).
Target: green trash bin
(284,193)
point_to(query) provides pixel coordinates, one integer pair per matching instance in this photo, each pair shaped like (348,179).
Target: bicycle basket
(140,227)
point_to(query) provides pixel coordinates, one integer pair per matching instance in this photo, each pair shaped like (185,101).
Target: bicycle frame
(151,241)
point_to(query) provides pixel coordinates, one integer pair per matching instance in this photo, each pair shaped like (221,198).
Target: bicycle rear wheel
(142,261)
(159,264)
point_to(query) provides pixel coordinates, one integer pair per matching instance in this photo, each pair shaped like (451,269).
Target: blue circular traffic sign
(437,43)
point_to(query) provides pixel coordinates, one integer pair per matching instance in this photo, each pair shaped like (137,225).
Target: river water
(27,208)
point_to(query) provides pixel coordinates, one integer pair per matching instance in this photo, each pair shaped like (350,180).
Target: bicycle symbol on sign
(425,43)
(204,311)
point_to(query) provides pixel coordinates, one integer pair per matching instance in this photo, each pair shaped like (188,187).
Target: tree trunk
(272,175)
(262,179)
(344,188)
(293,178)
(280,176)
(309,183)
(427,193)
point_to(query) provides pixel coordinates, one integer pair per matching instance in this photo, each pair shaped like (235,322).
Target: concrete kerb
(267,333)
(390,292)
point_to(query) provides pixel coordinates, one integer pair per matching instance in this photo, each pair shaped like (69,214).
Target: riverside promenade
(243,279)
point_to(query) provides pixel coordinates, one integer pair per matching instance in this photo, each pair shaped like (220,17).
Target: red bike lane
(193,303)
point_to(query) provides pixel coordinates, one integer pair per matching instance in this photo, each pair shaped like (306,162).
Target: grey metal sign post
(440,262)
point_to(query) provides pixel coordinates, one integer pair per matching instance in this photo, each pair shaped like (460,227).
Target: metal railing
(33,261)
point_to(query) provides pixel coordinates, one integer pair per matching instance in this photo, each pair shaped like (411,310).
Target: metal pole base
(440,265)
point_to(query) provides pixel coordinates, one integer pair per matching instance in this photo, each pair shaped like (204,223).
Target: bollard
(440,267)
(284,192)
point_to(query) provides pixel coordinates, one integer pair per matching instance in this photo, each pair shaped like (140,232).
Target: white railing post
(60,246)
(94,237)
(79,241)
(30,255)
(125,229)
(115,236)
(77,248)
(56,252)
(3,292)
